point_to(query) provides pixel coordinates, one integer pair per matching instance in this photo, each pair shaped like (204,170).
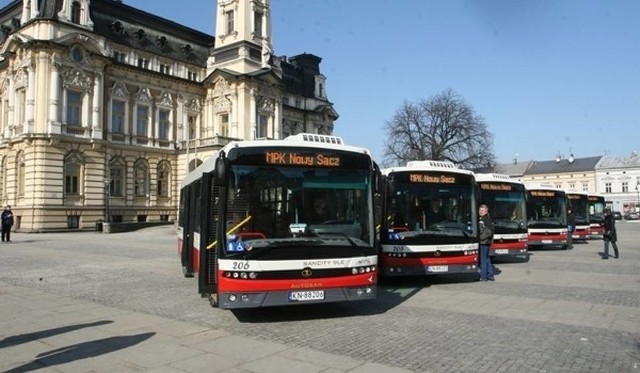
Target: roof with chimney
(563,165)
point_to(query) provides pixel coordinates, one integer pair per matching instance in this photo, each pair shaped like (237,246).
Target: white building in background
(618,180)
(104,107)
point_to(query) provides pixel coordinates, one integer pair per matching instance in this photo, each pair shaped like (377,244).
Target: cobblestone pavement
(561,311)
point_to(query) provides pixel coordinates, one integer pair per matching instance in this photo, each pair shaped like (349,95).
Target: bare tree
(444,128)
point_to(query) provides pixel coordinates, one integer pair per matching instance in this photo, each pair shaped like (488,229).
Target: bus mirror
(220,171)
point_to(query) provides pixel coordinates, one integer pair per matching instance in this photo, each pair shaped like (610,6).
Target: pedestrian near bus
(610,235)
(485,231)
(7,223)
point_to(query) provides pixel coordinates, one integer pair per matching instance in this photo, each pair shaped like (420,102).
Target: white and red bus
(250,228)
(597,205)
(547,217)
(579,204)
(507,201)
(428,220)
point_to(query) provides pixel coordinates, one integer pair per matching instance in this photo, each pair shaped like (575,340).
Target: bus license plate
(547,241)
(501,251)
(437,268)
(302,296)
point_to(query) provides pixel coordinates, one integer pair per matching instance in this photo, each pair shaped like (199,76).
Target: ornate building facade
(104,107)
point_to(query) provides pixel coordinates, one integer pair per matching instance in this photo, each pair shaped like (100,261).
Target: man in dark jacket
(7,223)
(485,227)
(610,234)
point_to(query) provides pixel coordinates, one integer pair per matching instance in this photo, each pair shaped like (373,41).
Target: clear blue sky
(548,76)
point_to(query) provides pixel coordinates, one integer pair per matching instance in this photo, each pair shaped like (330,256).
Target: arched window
(76,10)
(164,178)
(194,163)
(141,178)
(117,173)
(20,174)
(72,174)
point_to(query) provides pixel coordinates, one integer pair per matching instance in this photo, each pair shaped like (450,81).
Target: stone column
(11,115)
(252,114)
(96,125)
(277,121)
(30,100)
(54,99)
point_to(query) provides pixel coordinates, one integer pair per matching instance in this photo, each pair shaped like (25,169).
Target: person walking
(7,223)
(610,235)
(485,230)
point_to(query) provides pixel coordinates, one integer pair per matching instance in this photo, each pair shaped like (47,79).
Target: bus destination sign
(299,159)
(573,196)
(495,186)
(432,178)
(542,193)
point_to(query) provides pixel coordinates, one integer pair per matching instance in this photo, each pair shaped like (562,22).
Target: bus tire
(186,272)
(213,300)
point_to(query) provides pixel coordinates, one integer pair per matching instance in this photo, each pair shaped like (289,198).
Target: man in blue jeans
(485,226)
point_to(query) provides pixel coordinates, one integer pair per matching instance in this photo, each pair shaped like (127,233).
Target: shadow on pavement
(81,351)
(28,337)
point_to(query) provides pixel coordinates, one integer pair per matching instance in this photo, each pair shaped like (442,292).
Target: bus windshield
(596,209)
(547,211)
(580,206)
(432,208)
(507,209)
(285,206)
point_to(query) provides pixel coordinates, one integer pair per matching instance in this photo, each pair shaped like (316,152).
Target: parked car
(617,215)
(632,216)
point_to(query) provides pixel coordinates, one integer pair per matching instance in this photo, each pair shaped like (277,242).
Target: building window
(572,186)
(625,186)
(143,63)
(72,179)
(164,174)
(607,187)
(74,108)
(73,221)
(165,69)
(257,22)
(117,116)
(142,120)
(20,172)
(141,179)
(192,75)
(224,125)
(192,124)
(76,10)
(585,187)
(116,176)
(230,21)
(119,56)
(164,124)
(262,126)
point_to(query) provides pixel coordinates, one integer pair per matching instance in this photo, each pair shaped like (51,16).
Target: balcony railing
(204,142)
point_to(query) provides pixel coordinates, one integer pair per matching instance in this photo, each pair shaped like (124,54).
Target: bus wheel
(186,272)
(213,300)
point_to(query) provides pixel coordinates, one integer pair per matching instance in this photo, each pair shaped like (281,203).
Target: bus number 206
(241,266)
